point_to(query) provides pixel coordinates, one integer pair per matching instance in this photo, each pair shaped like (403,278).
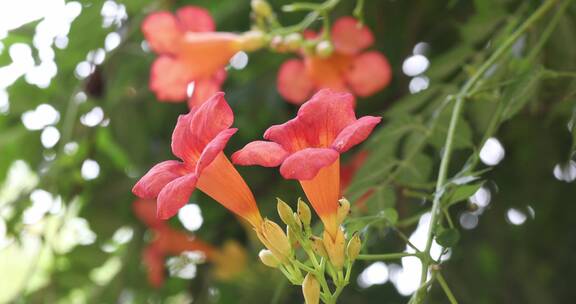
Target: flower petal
(213,148)
(350,37)
(195,19)
(206,88)
(355,133)
(169,79)
(291,135)
(151,183)
(182,145)
(318,123)
(293,81)
(199,127)
(305,164)
(175,195)
(326,114)
(209,119)
(323,192)
(263,153)
(328,72)
(162,32)
(369,73)
(220,174)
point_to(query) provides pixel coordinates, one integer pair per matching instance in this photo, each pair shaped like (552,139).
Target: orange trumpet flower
(191,54)
(198,140)
(308,147)
(346,69)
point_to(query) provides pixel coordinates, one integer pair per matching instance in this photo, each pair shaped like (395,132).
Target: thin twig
(446,289)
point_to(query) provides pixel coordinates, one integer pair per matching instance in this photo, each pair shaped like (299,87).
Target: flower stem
(456,112)
(446,289)
(386,256)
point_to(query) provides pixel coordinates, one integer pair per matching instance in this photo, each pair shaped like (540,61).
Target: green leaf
(462,193)
(415,171)
(448,237)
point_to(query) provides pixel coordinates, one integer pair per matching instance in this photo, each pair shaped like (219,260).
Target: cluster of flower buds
(289,42)
(329,255)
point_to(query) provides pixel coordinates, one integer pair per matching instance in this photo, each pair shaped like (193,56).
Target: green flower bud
(343,210)
(311,289)
(274,238)
(268,258)
(335,248)
(293,41)
(318,246)
(252,40)
(354,246)
(261,8)
(324,49)
(285,212)
(304,213)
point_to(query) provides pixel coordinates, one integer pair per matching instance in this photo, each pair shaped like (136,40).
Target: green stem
(317,10)
(535,50)
(318,269)
(448,218)
(406,239)
(457,110)
(412,220)
(385,256)
(301,7)
(558,74)
(359,11)
(446,289)
(304,267)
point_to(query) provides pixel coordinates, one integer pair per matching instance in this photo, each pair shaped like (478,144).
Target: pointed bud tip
(354,247)
(304,212)
(267,258)
(311,289)
(285,212)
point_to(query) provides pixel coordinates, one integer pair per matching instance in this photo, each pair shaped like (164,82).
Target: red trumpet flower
(198,140)
(190,53)
(308,147)
(346,69)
